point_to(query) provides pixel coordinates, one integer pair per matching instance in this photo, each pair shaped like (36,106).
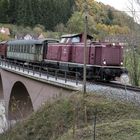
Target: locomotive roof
(32,41)
(74,35)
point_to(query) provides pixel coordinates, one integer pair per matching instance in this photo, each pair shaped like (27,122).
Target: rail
(119,86)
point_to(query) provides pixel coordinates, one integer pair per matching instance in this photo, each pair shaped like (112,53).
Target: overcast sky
(124,5)
(118,4)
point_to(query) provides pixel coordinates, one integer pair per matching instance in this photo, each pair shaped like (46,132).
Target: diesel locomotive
(104,60)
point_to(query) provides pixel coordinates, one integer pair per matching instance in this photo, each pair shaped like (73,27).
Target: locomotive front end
(110,58)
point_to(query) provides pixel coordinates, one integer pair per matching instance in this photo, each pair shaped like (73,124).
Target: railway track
(119,86)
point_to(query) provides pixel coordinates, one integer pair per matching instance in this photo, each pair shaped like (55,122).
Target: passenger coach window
(32,49)
(38,49)
(14,49)
(75,40)
(18,49)
(22,48)
(28,48)
(9,48)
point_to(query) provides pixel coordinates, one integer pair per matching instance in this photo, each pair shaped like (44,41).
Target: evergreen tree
(29,20)
(13,11)
(110,17)
(36,8)
(55,11)
(48,13)
(21,14)
(4,11)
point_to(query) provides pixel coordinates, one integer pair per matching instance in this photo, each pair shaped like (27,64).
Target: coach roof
(32,41)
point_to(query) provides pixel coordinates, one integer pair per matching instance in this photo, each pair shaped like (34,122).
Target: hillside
(65,117)
(67,14)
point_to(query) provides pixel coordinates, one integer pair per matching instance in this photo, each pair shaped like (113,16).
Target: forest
(32,12)
(64,16)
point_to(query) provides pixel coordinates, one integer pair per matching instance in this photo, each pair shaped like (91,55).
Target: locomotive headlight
(104,62)
(121,63)
(113,44)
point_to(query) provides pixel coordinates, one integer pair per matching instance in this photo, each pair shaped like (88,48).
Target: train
(104,60)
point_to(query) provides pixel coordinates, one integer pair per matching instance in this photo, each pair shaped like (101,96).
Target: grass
(59,120)
(120,130)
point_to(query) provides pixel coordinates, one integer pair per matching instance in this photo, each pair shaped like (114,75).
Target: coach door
(38,52)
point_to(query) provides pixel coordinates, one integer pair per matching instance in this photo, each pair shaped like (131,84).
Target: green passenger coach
(28,50)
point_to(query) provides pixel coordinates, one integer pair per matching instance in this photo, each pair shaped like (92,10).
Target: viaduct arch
(20,104)
(23,95)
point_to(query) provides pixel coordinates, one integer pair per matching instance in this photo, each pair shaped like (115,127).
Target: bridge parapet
(42,76)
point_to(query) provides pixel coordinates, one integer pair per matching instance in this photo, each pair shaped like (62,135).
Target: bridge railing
(41,71)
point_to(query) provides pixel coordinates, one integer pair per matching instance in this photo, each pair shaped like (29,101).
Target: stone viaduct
(24,94)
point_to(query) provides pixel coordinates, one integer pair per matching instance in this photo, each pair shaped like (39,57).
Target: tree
(29,20)
(4,11)
(54,12)
(21,14)
(13,11)
(4,37)
(133,64)
(76,19)
(110,17)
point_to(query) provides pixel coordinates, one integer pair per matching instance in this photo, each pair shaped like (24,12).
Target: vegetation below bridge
(65,119)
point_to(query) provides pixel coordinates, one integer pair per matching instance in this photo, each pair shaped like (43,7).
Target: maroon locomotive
(104,60)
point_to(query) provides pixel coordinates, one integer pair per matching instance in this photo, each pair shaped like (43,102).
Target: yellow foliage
(113,29)
(90,3)
(4,37)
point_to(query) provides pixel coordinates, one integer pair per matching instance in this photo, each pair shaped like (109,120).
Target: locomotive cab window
(63,40)
(75,39)
(68,39)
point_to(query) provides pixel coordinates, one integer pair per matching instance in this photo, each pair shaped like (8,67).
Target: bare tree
(132,53)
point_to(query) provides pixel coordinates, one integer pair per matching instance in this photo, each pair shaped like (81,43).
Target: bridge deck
(42,77)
